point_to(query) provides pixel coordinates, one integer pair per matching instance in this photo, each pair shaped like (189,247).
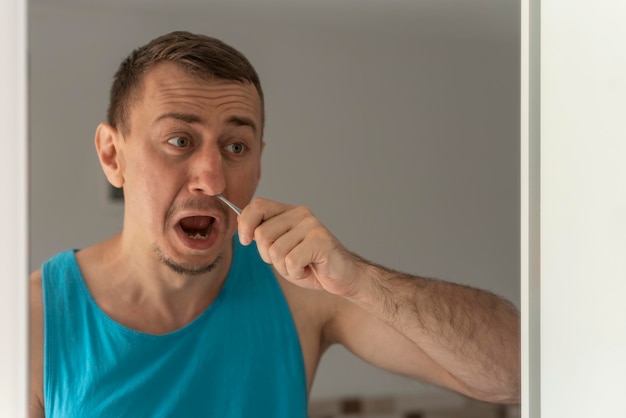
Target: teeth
(198,235)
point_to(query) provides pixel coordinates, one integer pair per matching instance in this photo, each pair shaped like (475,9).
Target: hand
(299,247)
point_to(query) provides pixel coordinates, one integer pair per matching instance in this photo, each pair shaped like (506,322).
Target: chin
(194,265)
(187,269)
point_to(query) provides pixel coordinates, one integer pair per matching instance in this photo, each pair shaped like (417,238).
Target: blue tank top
(240,358)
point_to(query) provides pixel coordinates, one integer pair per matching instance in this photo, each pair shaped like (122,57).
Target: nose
(207,172)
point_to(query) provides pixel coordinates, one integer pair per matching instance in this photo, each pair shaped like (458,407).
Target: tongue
(196,223)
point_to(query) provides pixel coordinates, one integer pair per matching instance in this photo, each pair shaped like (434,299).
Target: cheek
(245,182)
(149,188)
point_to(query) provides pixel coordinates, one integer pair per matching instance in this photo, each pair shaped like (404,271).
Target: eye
(179,141)
(236,148)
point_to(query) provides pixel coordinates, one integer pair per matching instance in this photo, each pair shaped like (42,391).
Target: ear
(108,145)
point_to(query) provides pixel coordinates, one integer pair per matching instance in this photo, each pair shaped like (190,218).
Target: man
(192,310)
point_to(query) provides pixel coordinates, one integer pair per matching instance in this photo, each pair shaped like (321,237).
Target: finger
(311,250)
(267,234)
(282,246)
(254,214)
(272,229)
(294,253)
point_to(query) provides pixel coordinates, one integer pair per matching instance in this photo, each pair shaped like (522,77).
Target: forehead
(169,88)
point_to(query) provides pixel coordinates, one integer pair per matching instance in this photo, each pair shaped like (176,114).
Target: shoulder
(312,309)
(316,312)
(312,312)
(35,308)
(35,345)
(35,292)
(35,277)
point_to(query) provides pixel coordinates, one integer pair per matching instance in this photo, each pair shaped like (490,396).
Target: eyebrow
(185,117)
(193,118)
(242,121)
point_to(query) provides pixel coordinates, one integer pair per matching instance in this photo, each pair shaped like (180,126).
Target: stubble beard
(185,269)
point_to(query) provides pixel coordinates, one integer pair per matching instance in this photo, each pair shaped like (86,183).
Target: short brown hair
(202,56)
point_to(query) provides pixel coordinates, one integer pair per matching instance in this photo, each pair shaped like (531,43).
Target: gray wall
(402,138)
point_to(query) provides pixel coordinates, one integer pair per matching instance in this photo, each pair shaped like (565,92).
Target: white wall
(404,140)
(583,208)
(13,214)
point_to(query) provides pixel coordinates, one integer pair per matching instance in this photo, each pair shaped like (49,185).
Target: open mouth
(197,227)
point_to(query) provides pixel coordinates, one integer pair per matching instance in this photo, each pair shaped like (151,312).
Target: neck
(140,291)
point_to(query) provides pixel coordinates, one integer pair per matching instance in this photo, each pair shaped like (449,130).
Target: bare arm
(471,334)
(35,401)
(450,335)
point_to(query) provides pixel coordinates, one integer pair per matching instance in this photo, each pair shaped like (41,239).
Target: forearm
(471,333)
(471,337)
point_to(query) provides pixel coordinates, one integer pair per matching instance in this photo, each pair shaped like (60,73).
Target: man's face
(188,141)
